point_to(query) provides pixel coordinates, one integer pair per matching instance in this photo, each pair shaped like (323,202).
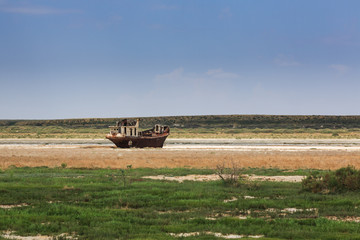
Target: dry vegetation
(212,126)
(104,156)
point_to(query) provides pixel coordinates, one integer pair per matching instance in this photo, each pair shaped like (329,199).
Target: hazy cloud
(285,61)
(156,26)
(171,76)
(116,19)
(202,90)
(37,10)
(340,68)
(113,20)
(179,74)
(350,38)
(165,7)
(219,73)
(225,13)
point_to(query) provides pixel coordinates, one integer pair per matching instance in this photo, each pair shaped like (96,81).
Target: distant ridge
(209,121)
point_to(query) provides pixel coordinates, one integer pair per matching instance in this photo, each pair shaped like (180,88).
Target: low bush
(343,179)
(229,175)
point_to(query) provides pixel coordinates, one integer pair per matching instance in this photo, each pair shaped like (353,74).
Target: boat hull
(138,142)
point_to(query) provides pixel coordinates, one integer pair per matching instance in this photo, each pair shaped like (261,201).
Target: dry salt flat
(195,153)
(212,144)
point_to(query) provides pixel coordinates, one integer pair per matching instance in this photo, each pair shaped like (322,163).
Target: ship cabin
(125,128)
(159,128)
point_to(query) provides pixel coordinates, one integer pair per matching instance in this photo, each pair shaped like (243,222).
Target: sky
(114,58)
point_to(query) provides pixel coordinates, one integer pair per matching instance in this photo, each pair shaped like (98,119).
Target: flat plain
(266,153)
(65,185)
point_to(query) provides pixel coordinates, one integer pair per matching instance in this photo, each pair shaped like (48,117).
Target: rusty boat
(126,134)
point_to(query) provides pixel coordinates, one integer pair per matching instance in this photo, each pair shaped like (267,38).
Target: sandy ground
(10,235)
(290,155)
(214,177)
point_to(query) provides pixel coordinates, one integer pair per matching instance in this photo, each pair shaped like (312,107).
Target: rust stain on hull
(138,142)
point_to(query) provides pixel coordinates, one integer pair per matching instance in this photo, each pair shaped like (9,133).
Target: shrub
(313,183)
(125,175)
(230,176)
(343,179)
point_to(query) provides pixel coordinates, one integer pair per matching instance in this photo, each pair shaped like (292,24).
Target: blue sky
(113,58)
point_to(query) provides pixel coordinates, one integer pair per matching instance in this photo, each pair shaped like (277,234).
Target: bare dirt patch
(77,156)
(219,235)
(263,213)
(13,206)
(276,178)
(10,235)
(171,212)
(292,210)
(242,215)
(214,177)
(249,197)
(180,179)
(344,219)
(233,199)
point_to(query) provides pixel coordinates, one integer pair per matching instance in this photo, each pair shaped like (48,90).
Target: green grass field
(116,204)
